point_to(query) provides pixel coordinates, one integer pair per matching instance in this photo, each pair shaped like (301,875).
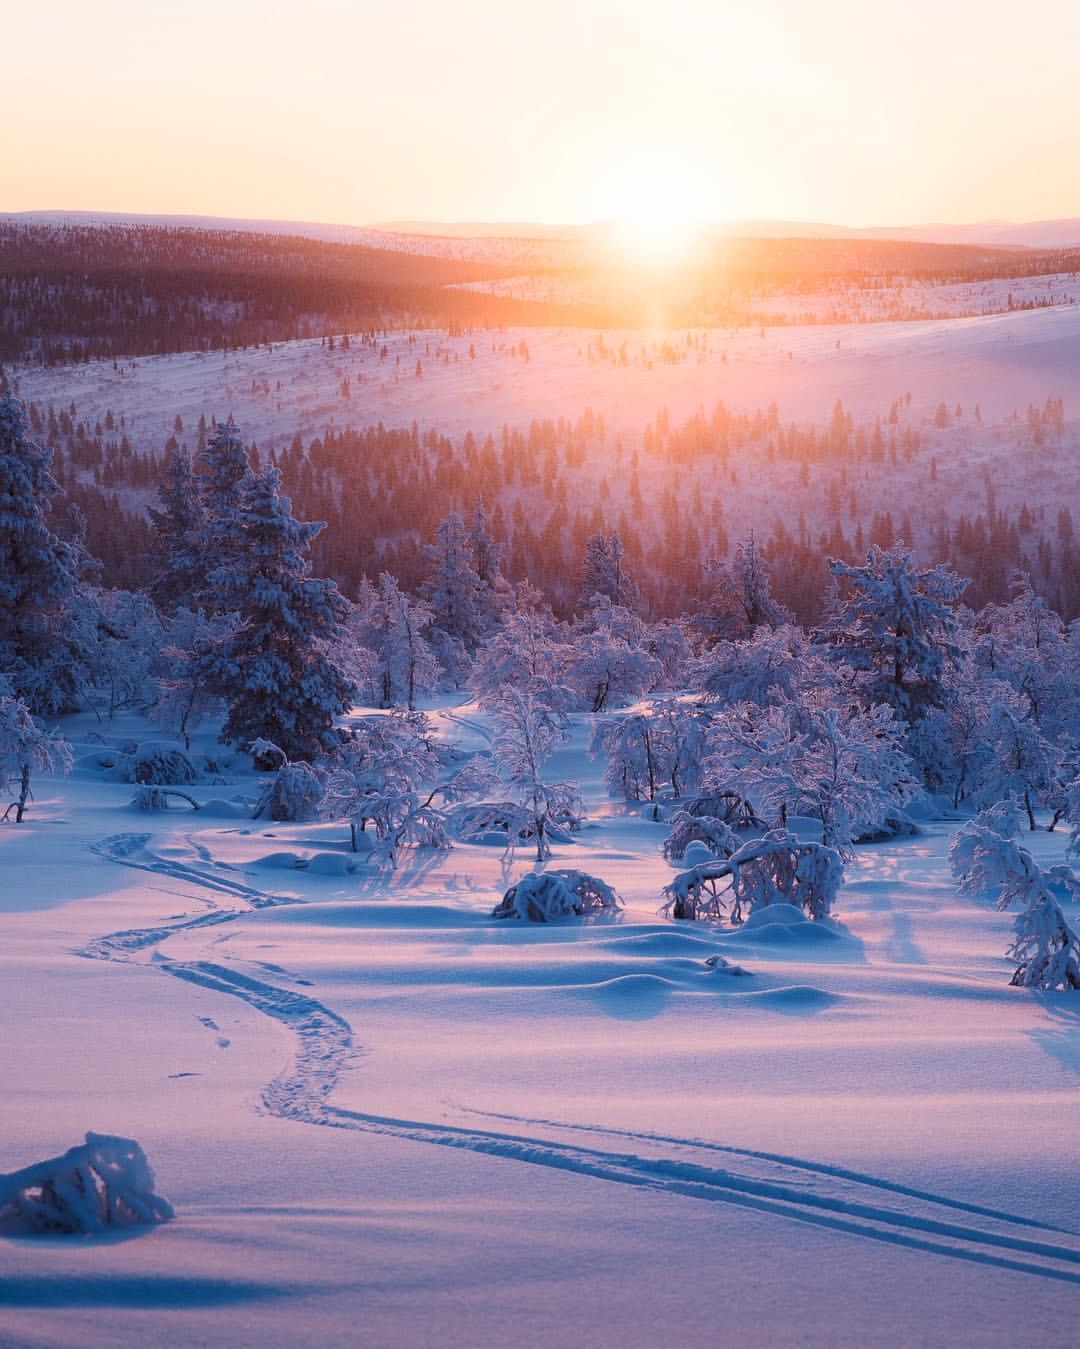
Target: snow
(377,1112)
(1001,361)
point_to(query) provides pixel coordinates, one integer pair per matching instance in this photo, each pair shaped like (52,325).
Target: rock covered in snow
(102,1183)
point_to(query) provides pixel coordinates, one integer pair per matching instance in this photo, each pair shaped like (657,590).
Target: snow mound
(632,986)
(281,861)
(776,915)
(219,809)
(333,864)
(795,998)
(104,1182)
(779,924)
(696,854)
(663,944)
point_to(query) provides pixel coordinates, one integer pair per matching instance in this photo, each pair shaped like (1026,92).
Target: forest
(381,492)
(74,293)
(739,715)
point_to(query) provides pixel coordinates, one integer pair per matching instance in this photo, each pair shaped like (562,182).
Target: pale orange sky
(362,110)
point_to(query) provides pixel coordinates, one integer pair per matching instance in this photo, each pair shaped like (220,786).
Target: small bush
(160,763)
(295,794)
(546,897)
(685,829)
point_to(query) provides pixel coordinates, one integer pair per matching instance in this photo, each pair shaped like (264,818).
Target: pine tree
(273,671)
(40,594)
(223,465)
(740,601)
(603,573)
(493,590)
(895,629)
(456,595)
(179,525)
(223,478)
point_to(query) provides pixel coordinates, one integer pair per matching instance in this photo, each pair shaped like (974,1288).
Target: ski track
(826,1196)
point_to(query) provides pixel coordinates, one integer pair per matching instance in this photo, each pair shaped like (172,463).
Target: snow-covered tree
(128,638)
(603,572)
(295,792)
(274,671)
(775,869)
(460,602)
(1018,760)
(494,594)
(529,653)
(711,833)
(41,654)
(223,470)
(603,666)
(843,764)
(739,601)
(631,770)
(1026,644)
(986,861)
(386,775)
(527,733)
(655,752)
(1072,813)
(190,648)
(757,668)
(179,522)
(1046,947)
(895,629)
(392,626)
(26,748)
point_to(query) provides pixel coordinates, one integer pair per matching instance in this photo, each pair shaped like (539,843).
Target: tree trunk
(24,792)
(1030,812)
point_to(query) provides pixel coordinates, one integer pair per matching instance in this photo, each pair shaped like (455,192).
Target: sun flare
(655,239)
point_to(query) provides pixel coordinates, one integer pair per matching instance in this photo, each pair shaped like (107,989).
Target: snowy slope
(1001,361)
(375,1109)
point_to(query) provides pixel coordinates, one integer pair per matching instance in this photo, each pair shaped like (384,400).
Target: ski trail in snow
(782,1160)
(470,724)
(132,850)
(825,1196)
(672,1176)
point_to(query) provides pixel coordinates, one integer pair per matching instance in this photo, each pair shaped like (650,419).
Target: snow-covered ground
(1002,362)
(383,1118)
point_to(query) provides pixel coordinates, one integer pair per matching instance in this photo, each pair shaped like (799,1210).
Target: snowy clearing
(367,1099)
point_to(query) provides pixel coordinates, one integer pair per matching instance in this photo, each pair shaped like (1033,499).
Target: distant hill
(998,233)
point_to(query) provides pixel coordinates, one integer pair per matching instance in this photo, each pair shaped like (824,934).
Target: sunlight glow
(655,239)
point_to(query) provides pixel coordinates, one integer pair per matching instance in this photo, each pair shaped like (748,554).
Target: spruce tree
(274,672)
(457,596)
(603,573)
(39,577)
(896,629)
(179,525)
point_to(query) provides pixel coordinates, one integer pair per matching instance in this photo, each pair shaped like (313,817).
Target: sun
(655,223)
(655,239)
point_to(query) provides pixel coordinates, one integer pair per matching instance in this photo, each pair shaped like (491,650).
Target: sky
(858,112)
